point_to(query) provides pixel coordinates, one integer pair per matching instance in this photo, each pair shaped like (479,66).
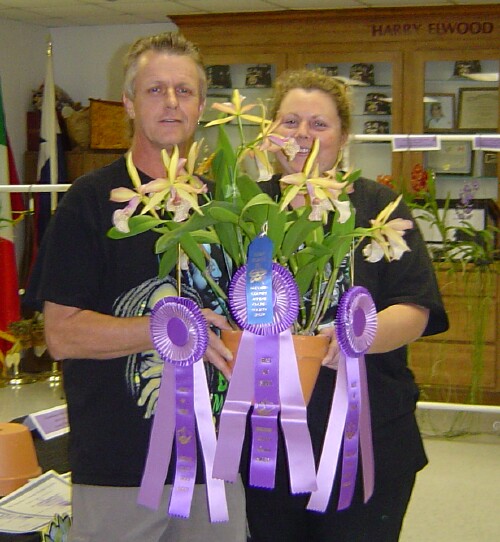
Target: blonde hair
(172,43)
(313,79)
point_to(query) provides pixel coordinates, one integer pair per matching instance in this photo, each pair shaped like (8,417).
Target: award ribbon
(265,374)
(349,419)
(179,334)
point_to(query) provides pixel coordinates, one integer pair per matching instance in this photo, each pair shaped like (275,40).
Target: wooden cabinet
(78,162)
(411,46)
(407,39)
(463,363)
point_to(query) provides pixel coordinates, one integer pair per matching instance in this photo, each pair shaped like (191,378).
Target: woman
(311,105)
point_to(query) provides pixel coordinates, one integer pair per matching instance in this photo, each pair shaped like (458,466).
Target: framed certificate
(455,157)
(478,108)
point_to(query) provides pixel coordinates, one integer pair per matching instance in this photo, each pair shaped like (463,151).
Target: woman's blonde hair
(313,79)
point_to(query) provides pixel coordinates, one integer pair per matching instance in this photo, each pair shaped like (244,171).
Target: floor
(456,497)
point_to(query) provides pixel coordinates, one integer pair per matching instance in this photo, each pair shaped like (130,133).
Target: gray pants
(111,514)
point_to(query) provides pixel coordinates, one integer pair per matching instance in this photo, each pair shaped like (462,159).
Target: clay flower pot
(309,349)
(18,460)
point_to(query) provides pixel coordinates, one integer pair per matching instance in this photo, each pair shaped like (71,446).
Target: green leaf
(168,261)
(298,233)
(193,251)
(225,215)
(223,165)
(137,224)
(229,239)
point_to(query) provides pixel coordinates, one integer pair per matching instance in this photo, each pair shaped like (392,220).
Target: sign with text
(50,423)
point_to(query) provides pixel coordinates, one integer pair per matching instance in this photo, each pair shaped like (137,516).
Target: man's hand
(217,353)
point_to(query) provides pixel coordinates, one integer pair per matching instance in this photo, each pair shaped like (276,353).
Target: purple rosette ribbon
(266,375)
(349,420)
(183,412)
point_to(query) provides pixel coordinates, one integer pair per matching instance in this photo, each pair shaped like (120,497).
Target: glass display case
(460,106)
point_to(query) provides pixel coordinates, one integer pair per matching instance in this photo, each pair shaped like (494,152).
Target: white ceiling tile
(151,9)
(230,6)
(319,4)
(99,12)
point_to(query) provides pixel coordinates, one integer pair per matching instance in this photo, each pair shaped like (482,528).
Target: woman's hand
(217,353)
(331,360)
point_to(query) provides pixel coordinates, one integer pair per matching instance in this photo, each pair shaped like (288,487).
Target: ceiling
(58,13)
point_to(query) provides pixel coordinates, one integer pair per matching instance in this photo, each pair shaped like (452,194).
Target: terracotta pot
(18,460)
(309,349)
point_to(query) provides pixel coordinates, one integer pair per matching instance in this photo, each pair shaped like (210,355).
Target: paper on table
(33,506)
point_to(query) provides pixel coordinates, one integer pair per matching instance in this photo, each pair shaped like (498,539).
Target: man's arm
(74,333)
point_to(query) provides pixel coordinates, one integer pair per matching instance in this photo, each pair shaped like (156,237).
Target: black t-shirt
(111,402)
(393,393)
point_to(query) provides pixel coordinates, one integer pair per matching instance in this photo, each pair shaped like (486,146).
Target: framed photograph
(258,76)
(455,157)
(489,163)
(439,112)
(219,76)
(478,108)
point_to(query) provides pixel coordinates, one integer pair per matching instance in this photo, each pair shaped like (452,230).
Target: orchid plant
(311,240)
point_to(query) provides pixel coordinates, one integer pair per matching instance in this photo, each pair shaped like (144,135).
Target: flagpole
(54,174)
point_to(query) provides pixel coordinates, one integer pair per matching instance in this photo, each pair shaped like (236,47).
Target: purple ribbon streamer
(293,417)
(264,418)
(293,420)
(355,327)
(160,443)
(180,335)
(351,435)
(216,492)
(185,444)
(233,419)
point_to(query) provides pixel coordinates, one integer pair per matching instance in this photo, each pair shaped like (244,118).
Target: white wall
(88,63)
(22,68)
(88,60)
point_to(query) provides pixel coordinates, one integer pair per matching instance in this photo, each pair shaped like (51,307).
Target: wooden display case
(410,41)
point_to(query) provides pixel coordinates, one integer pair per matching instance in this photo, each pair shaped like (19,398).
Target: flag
(10,310)
(51,166)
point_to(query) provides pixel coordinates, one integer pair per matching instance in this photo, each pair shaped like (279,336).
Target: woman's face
(307,115)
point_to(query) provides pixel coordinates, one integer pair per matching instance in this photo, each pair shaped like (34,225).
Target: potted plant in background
(466,262)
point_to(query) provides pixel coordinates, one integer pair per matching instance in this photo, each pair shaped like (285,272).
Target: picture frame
(439,112)
(259,76)
(454,158)
(478,108)
(489,161)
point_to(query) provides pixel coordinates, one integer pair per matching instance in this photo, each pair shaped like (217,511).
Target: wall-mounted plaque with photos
(455,157)
(258,76)
(377,103)
(376,127)
(219,76)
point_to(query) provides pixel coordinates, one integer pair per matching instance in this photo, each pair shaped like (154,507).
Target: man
(97,293)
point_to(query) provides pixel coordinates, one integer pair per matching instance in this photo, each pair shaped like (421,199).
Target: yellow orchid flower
(234,109)
(387,239)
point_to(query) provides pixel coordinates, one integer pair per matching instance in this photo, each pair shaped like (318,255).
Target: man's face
(167,102)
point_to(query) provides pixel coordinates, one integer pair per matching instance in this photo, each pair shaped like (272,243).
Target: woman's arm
(397,326)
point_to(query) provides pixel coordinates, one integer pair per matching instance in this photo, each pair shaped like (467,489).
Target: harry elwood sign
(442,28)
